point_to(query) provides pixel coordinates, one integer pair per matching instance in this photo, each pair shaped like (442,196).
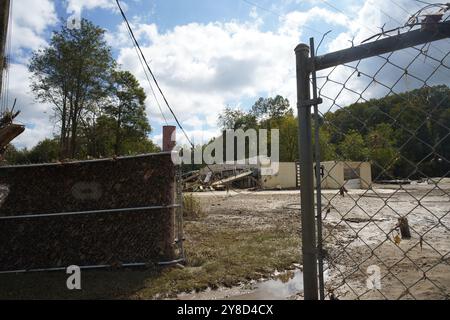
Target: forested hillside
(404,136)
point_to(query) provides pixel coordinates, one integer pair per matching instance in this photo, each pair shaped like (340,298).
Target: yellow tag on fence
(397,239)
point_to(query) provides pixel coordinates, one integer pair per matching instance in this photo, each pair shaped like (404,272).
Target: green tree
(235,119)
(271,108)
(420,132)
(353,147)
(382,153)
(127,110)
(99,134)
(45,151)
(288,127)
(72,73)
(327,149)
(14,156)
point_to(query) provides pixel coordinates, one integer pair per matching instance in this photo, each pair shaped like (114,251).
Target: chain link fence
(382,118)
(121,212)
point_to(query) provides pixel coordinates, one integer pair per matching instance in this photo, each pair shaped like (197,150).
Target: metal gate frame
(306,66)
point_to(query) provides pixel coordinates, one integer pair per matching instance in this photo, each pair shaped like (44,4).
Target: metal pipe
(382,46)
(180,200)
(86,161)
(167,263)
(100,266)
(27,216)
(318,177)
(4,20)
(306,174)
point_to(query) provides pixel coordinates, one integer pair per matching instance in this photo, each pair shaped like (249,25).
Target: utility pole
(8,130)
(4,19)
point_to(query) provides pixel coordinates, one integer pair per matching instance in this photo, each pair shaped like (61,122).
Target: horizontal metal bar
(27,216)
(310,102)
(100,266)
(86,161)
(382,46)
(167,263)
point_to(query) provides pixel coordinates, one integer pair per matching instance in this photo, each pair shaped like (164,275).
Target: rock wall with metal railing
(110,212)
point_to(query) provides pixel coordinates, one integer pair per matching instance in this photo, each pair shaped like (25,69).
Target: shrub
(192,209)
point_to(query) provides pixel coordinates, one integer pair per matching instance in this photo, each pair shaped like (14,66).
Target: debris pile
(222,177)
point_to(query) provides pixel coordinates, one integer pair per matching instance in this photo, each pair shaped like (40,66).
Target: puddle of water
(285,286)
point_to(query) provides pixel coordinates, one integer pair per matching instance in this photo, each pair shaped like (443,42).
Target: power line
(362,25)
(423,2)
(399,22)
(151,72)
(154,79)
(278,15)
(148,79)
(401,7)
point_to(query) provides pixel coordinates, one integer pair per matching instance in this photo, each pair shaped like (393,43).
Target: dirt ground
(359,233)
(247,245)
(239,240)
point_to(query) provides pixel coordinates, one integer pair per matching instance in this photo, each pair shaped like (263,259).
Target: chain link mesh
(392,111)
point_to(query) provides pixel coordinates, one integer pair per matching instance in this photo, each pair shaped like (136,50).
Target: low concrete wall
(333,177)
(93,238)
(285,178)
(334,174)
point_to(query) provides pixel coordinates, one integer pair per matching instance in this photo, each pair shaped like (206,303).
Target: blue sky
(206,54)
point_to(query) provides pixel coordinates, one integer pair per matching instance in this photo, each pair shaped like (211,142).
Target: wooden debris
(404,228)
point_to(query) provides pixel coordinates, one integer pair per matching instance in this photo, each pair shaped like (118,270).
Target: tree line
(403,136)
(98,109)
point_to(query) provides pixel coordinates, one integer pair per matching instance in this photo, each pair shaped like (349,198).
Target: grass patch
(216,256)
(192,209)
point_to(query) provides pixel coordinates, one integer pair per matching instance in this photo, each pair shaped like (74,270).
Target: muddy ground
(246,246)
(237,241)
(360,238)
(359,235)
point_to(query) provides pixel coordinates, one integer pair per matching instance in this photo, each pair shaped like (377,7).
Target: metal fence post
(304,104)
(318,174)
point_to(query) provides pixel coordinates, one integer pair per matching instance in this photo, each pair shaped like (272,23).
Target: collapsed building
(282,175)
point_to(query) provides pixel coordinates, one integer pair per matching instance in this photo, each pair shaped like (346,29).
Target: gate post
(168,144)
(304,104)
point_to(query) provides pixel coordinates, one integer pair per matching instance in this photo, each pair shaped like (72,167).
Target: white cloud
(77,6)
(143,33)
(202,67)
(30,19)
(34,115)
(369,19)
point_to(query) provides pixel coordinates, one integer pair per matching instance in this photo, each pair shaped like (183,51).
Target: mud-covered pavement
(360,237)
(359,232)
